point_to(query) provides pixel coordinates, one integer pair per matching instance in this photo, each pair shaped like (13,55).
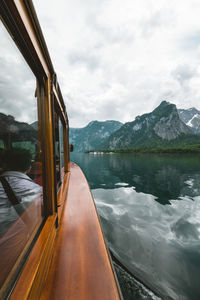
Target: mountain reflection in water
(149,207)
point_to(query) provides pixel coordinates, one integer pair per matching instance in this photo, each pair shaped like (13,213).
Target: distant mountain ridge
(191,117)
(92,136)
(162,127)
(165,126)
(12,130)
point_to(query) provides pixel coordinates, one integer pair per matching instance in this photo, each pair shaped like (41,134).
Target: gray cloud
(90,60)
(17,83)
(185,230)
(190,41)
(120,59)
(157,21)
(184,73)
(108,33)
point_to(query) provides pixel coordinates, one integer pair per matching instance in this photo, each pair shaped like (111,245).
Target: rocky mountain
(162,127)
(191,117)
(14,131)
(93,135)
(35,125)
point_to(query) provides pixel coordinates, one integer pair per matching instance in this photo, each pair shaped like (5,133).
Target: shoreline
(193,149)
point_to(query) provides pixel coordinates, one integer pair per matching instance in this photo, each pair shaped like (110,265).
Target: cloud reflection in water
(150,213)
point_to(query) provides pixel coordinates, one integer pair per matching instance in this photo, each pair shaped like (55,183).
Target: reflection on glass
(61,144)
(20,160)
(57,149)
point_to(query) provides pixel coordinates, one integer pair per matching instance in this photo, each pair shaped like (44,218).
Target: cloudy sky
(118,59)
(17,82)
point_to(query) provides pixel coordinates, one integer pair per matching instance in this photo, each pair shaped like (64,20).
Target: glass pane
(20,159)
(61,146)
(57,149)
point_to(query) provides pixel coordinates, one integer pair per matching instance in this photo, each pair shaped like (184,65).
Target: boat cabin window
(59,148)
(21,191)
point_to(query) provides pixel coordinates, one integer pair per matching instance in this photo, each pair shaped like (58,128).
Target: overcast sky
(17,82)
(116,59)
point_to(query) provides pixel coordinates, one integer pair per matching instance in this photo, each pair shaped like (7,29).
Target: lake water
(149,206)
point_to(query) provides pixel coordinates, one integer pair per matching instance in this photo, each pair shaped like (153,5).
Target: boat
(53,247)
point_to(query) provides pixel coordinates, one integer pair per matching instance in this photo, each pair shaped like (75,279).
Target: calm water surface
(149,207)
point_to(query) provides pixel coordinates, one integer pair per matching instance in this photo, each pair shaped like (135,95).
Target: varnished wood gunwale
(80,267)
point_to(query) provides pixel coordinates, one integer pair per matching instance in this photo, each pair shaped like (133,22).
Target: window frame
(28,214)
(56,111)
(20,20)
